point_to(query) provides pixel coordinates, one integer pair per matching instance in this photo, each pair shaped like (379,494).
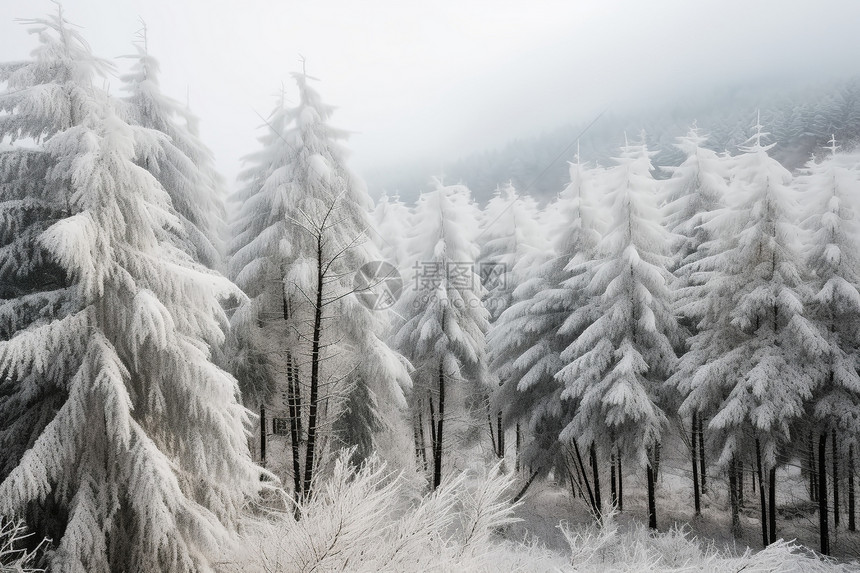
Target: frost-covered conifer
(526,340)
(512,242)
(615,367)
(696,189)
(300,237)
(830,190)
(182,164)
(137,456)
(747,365)
(444,322)
(510,237)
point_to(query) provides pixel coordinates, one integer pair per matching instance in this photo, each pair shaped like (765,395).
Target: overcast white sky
(435,80)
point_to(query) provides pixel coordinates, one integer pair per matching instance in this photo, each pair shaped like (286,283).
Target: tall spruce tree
(182,164)
(300,237)
(541,321)
(830,189)
(444,323)
(747,366)
(137,457)
(614,370)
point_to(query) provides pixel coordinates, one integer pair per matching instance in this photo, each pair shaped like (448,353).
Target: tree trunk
(492,432)
(594,507)
(500,440)
(761,494)
(813,487)
(833,449)
(294,409)
(432,425)
(518,440)
(613,492)
(741,484)
(823,522)
(437,453)
(423,442)
(263,435)
(313,401)
(620,486)
(702,455)
(733,496)
(697,502)
(656,461)
(771,501)
(652,506)
(596,473)
(851,524)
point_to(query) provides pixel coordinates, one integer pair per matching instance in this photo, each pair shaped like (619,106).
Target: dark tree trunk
(432,424)
(823,521)
(761,494)
(771,502)
(423,442)
(613,491)
(702,455)
(656,461)
(294,409)
(525,488)
(741,484)
(813,487)
(500,440)
(851,524)
(833,449)
(596,473)
(733,496)
(594,507)
(437,454)
(620,486)
(313,400)
(492,432)
(262,435)
(518,440)
(652,505)
(697,503)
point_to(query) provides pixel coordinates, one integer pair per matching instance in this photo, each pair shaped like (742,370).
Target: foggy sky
(432,81)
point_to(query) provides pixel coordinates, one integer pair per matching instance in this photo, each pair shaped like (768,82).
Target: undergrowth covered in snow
(14,559)
(369,520)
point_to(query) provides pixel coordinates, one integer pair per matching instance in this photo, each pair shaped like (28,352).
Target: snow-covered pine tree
(830,190)
(525,342)
(444,322)
(614,370)
(747,365)
(511,238)
(694,192)
(300,237)
(137,456)
(182,164)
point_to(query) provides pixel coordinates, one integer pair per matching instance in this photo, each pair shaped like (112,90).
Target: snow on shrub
(14,559)
(371,520)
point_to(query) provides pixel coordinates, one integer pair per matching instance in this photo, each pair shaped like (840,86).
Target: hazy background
(430,82)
